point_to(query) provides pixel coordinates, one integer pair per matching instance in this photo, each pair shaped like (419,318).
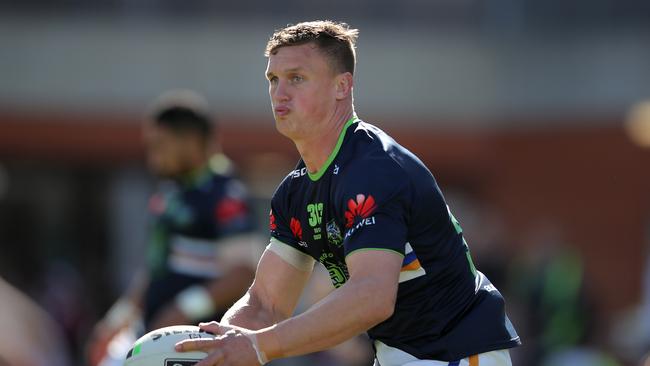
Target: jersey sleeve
(282,226)
(374,202)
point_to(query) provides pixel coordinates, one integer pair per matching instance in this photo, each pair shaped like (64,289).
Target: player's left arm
(365,300)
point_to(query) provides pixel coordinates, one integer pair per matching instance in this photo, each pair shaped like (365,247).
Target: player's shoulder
(371,146)
(369,142)
(222,180)
(365,132)
(370,152)
(370,132)
(222,169)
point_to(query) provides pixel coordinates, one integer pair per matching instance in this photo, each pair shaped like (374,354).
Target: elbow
(382,307)
(386,310)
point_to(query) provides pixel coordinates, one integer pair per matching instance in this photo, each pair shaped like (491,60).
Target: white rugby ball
(156,348)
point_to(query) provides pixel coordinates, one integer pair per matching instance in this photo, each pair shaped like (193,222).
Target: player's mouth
(281,111)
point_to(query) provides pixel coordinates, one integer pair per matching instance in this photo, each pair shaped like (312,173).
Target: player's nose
(280,93)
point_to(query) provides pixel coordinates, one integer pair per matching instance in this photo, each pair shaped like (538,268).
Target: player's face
(167,152)
(302,87)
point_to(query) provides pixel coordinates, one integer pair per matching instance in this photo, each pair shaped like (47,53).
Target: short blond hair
(335,39)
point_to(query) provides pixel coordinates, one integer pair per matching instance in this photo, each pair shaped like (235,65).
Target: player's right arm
(281,276)
(121,315)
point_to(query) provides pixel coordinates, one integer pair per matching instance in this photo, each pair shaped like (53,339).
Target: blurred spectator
(202,253)
(579,356)
(630,334)
(30,336)
(645,302)
(553,304)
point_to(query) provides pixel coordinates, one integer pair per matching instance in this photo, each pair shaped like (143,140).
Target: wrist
(195,302)
(120,314)
(261,355)
(268,343)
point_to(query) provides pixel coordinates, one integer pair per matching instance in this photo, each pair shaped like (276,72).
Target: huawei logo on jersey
(360,209)
(296,229)
(272,224)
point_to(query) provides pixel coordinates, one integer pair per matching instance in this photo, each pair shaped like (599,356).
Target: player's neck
(194,171)
(316,150)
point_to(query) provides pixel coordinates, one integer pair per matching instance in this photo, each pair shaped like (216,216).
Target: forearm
(137,288)
(271,298)
(346,312)
(248,312)
(129,305)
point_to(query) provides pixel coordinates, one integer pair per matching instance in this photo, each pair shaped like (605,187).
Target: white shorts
(390,356)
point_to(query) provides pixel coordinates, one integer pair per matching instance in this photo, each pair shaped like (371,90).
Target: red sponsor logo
(360,208)
(272,224)
(229,209)
(157,204)
(296,228)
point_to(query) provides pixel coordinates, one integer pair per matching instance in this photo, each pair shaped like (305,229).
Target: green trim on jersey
(195,178)
(316,176)
(368,249)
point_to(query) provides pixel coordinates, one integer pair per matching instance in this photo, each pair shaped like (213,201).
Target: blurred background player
(201,253)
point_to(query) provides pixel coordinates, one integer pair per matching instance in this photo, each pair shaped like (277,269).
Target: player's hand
(231,347)
(97,345)
(169,315)
(117,318)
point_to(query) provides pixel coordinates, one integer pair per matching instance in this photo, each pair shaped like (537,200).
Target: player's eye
(296,79)
(273,80)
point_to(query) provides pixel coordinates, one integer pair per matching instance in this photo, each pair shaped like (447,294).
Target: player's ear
(344,83)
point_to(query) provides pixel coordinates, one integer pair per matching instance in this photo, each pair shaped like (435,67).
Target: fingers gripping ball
(156,348)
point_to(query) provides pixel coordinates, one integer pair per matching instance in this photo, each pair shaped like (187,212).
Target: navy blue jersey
(373,194)
(189,219)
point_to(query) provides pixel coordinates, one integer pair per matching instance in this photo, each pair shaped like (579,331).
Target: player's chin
(281,124)
(280,116)
(287,132)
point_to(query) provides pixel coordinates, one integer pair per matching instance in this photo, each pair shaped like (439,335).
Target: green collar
(196,177)
(316,176)
(216,164)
